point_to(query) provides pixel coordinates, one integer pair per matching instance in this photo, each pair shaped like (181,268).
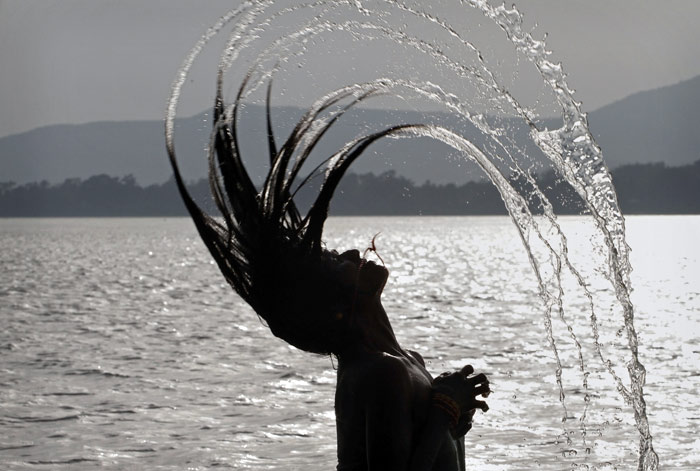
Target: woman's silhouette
(390,413)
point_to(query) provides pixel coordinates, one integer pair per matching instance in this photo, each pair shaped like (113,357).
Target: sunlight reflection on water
(122,347)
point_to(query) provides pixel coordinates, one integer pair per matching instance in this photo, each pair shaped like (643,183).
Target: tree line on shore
(641,189)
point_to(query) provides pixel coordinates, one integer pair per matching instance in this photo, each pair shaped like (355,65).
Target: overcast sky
(75,61)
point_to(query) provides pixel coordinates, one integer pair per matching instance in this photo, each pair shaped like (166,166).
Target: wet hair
(271,255)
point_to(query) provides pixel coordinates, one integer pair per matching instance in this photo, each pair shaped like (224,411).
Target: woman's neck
(375,332)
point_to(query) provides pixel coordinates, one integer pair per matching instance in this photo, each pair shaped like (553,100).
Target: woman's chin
(375,276)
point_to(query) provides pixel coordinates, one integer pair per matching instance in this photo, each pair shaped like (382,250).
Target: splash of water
(570,149)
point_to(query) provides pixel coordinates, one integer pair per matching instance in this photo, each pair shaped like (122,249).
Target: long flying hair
(270,254)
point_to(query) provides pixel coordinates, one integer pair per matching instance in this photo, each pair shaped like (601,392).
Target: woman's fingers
(482,390)
(464,388)
(479,379)
(467,370)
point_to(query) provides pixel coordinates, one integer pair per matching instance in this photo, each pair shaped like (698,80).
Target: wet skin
(385,417)
(381,403)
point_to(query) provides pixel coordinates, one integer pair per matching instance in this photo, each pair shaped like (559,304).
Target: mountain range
(659,125)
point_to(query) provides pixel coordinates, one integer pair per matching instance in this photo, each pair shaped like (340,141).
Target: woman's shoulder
(418,357)
(379,364)
(374,380)
(380,372)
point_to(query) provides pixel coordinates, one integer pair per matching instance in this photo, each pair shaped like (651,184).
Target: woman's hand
(456,394)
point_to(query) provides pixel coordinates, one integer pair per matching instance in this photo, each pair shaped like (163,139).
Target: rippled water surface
(122,348)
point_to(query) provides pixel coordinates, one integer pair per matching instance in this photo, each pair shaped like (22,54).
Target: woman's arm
(392,441)
(431,440)
(453,404)
(387,392)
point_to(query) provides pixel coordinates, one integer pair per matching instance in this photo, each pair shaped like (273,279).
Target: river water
(122,348)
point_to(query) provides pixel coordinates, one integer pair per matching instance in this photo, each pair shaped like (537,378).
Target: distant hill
(641,188)
(659,125)
(654,126)
(137,148)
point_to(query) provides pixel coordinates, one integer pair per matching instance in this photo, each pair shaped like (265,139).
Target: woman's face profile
(363,275)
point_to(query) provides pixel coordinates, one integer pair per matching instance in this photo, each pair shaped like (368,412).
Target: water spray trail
(571,149)
(581,161)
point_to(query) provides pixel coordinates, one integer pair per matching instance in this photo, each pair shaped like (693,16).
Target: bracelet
(449,406)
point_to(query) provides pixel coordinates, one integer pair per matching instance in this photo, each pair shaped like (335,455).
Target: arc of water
(316,26)
(602,204)
(235,45)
